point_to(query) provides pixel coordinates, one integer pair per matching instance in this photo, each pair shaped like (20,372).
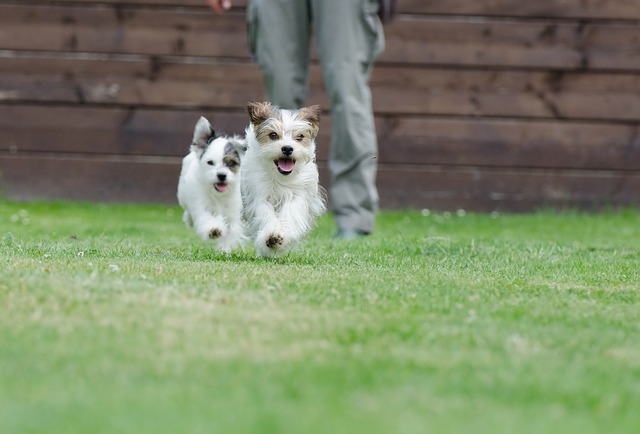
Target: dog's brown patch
(260,111)
(231,157)
(271,125)
(311,114)
(232,163)
(307,134)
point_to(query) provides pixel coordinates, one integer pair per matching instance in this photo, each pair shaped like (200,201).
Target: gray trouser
(349,39)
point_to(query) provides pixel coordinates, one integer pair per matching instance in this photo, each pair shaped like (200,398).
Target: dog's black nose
(222,177)
(287,150)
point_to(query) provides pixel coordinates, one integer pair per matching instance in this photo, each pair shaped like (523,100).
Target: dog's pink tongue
(221,187)
(286,164)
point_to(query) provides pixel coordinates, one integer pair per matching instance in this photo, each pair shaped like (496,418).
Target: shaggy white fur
(209,187)
(280,189)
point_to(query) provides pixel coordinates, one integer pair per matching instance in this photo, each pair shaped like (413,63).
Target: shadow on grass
(248,256)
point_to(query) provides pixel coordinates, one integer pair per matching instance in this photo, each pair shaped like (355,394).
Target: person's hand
(219,6)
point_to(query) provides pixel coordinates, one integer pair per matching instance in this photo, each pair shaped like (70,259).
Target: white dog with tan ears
(280,189)
(209,187)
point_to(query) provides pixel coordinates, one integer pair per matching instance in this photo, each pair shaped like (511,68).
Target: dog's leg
(233,238)
(186,218)
(280,231)
(269,238)
(209,226)
(295,219)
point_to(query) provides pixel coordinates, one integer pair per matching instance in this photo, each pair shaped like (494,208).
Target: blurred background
(483,105)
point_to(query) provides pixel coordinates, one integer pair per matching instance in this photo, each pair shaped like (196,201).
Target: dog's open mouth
(221,186)
(285,165)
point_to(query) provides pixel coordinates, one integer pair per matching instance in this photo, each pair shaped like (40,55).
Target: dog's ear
(311,114)
(259,112)
(239,144)
(202,134)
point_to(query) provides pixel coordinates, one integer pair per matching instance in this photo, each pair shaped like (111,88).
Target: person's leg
(349,37)
(279,34)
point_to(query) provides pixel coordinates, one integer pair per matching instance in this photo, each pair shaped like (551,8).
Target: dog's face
(284,138)
(218,156)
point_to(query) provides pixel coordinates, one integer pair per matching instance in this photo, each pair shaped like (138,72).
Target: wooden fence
(480,104)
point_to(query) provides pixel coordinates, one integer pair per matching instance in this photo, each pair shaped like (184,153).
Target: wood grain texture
(470,188)
(403,139)
(114,131)
(416,41)
(582,9)
(170,81)
(482,105)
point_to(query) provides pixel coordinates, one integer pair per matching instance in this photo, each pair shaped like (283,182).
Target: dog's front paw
(215,233)
(274,241)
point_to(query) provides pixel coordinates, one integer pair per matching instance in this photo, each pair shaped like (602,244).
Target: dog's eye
(210,163)
(300,137)
(232,164)
(274,136)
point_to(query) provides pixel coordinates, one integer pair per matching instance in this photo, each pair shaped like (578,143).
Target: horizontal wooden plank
(113,30)
(153,81)
(403,139)
(481,189)
(536,44)
(432,41)
(585,9)
(114,131)
(89,179)
(529,94)
(509,143)
(236,4)
(476,189)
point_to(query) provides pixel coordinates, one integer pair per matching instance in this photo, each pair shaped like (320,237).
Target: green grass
(116,319)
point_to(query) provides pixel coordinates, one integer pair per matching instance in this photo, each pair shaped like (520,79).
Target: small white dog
(280,190)
(209,187)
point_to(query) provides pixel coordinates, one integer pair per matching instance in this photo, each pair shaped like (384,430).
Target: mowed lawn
(116,319)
